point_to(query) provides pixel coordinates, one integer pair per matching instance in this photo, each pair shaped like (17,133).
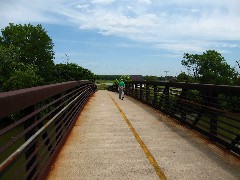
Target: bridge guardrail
(213,110)
(34,125)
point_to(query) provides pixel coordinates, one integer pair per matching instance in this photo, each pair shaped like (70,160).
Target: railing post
(166,97)
(59,128)
(127,89)
(33,147)
(141,91)
(147,93)
(133,90)
(182,97)
(136,91)
(155,95)
(213,115)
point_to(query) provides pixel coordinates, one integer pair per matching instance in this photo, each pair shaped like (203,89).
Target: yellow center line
(150,157)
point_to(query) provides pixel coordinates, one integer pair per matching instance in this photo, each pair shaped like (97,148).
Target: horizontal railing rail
(34,124)
(213,110)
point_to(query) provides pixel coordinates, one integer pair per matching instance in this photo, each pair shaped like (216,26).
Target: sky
(132,37)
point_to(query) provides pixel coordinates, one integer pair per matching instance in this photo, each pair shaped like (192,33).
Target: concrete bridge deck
(124,139)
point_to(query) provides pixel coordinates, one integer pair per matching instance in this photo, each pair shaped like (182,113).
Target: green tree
(150,78)
(209,68)
(125,78)
(183,77)
(72,72)
(8,63)
(24,76)
(32,46)
(16,75)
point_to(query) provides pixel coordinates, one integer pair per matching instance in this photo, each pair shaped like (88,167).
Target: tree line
(145,78)
(27,59)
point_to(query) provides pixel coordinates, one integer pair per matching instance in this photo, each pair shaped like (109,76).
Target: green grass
(104,81)
(104,84)
(5,138)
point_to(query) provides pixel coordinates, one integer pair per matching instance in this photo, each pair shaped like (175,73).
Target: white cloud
(148,2)
(182,46)
(169,24)
(82,6)
(102,1)
(22,11)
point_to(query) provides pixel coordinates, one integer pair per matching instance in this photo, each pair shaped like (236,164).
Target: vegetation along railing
(210,109)
(34,124)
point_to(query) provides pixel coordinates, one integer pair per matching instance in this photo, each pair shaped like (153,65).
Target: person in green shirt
(121,88)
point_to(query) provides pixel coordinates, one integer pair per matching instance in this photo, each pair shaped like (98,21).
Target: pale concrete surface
(101,146)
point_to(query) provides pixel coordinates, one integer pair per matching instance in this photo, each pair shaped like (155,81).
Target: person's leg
(120,93)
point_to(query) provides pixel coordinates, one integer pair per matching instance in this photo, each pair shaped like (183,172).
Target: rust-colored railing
(213,110)
(34,124)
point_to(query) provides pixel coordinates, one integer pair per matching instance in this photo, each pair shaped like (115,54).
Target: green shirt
(121,84)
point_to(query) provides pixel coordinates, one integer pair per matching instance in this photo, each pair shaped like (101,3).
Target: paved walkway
(124,139)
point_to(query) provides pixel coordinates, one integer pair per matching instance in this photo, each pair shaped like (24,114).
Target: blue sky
(144,37)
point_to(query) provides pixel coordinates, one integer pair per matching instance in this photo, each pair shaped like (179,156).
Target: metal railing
(35,123)
(210,109)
